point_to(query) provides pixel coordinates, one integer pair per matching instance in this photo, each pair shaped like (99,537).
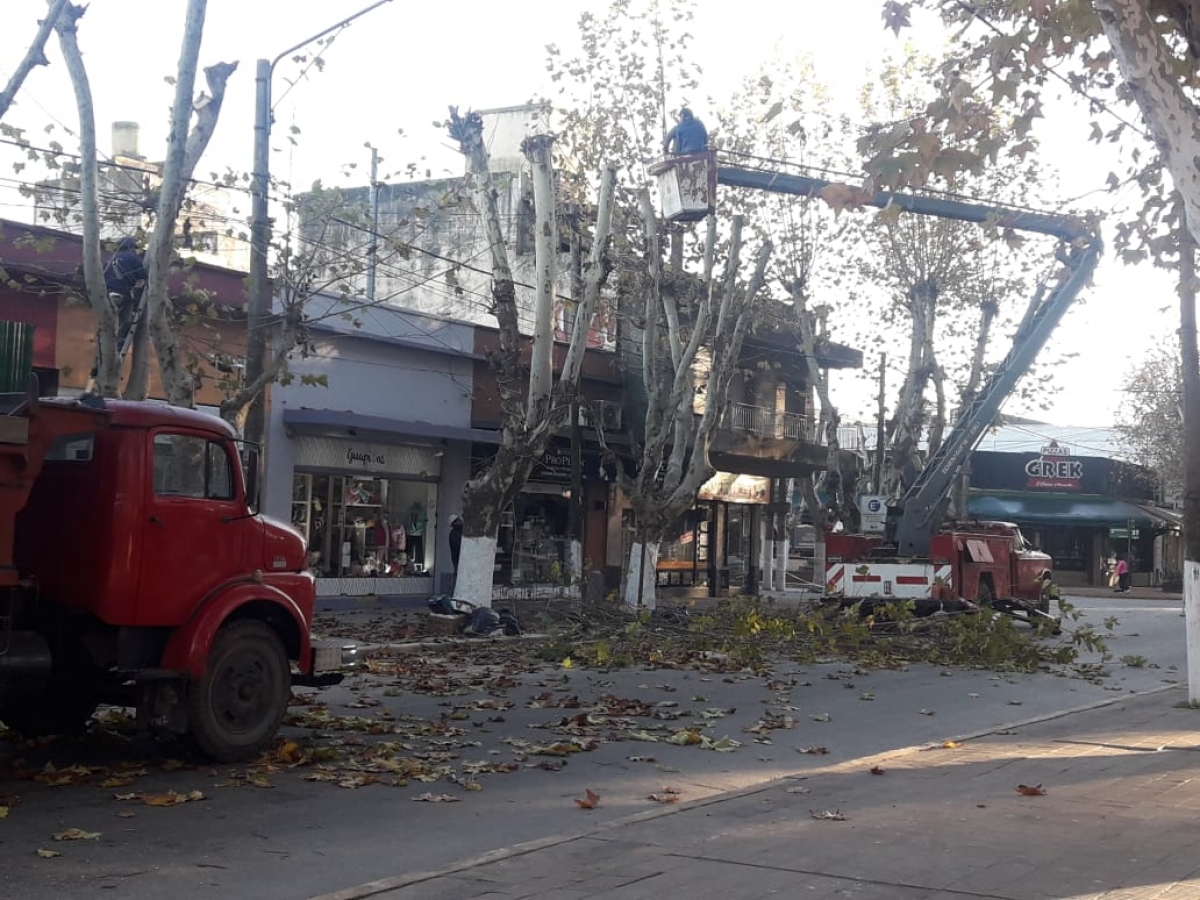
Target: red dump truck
(135,571)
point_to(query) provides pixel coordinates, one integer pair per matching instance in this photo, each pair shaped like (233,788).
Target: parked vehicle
(134,570)
(989,563)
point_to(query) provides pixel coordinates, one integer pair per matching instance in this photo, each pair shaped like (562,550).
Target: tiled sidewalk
(1120,820)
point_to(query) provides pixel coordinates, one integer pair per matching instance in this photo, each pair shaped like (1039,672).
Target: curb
(383,885)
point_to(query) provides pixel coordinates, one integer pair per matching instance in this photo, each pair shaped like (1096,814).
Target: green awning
(1061,509)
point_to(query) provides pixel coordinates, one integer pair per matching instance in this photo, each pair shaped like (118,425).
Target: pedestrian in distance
(688,136)
(455,540)
(1122,575)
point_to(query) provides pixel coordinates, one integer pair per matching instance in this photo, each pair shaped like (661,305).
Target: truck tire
(235,708)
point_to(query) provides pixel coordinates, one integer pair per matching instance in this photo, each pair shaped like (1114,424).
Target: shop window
(365,527)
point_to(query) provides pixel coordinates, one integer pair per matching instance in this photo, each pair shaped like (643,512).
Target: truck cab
(146,578)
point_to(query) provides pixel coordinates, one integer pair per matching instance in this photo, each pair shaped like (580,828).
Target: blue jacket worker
(125,272)
(688,136)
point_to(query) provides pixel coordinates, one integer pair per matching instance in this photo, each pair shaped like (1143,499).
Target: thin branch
(34,56)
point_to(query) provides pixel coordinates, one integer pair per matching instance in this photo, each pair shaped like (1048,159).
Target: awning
(345,424)
(1065,510)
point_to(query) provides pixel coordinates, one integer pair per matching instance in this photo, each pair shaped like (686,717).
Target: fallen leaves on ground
(591,801)
(172,798)
(76,834)
(47,854)
(878,770)
(435,798)
(815,751)
(1031,790)
(666,795)
(827,815)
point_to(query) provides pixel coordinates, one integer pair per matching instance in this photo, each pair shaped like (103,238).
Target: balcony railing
(767,423)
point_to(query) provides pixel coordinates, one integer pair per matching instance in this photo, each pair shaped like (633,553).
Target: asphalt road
(265,832)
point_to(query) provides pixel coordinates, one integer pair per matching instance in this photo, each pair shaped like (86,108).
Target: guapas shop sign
(1054,470)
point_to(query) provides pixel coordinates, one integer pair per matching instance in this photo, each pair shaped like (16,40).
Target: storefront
(533,549)
(369,513)
(717,545)
(1084,511)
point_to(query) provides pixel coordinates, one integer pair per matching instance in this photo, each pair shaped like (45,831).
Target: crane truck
(135,571)
(920,556)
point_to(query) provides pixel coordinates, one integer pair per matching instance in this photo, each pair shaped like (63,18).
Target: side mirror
(250,471)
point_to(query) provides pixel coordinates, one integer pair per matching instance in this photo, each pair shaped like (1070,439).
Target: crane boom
(917,517)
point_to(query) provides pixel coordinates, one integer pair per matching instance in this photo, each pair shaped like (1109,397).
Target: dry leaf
(590,802)
(435,798)
(834,815)
(799,789)
(48,854)
(76,834)
(1028,790)
(171,798)
(877,770)
(816,751)
(659,798)
(3,812)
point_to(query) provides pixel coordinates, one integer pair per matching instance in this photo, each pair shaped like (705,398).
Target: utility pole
(575,512)
(258,306)
(373,249)
(877,474)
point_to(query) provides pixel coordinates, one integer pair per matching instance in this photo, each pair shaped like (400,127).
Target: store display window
(365,527)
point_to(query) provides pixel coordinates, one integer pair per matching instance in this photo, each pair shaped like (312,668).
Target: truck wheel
(234,710)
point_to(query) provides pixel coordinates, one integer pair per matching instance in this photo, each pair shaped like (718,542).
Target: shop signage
(555,465)
(1054,469)
(733,488)
(367,457)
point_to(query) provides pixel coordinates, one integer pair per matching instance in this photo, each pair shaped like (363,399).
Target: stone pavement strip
(1120,820)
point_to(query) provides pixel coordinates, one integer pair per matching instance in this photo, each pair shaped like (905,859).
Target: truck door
(195,525)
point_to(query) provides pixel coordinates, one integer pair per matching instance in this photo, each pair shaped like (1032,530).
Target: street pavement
(1110,811)
(470,723)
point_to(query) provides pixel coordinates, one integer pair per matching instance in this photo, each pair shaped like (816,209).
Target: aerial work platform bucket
(687,186)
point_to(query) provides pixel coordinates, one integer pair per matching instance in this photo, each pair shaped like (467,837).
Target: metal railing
(753,419)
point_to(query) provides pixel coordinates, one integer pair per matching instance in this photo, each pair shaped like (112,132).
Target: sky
(390,76)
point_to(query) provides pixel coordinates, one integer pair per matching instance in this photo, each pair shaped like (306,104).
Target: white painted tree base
(476,566)
(783,555)
(575,563)
(1191,613)
(649,578)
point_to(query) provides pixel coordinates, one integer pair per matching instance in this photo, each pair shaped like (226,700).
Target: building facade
(369,442)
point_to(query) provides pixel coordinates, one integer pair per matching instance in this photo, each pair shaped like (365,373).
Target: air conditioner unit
(610,417)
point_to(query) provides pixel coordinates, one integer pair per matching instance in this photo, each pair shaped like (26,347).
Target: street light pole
(259,301)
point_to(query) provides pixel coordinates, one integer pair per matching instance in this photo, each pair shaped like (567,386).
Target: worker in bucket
(688,136)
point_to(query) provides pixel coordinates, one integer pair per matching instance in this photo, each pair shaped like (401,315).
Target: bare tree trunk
(530,420)
(545,243)
(910,408)
(809,491)
(830,420)
(1191,457)
(184,150)
(108,372)
(35,55)
(660,497)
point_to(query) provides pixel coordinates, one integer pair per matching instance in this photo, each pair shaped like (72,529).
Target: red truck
(989,563)
(135,571)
